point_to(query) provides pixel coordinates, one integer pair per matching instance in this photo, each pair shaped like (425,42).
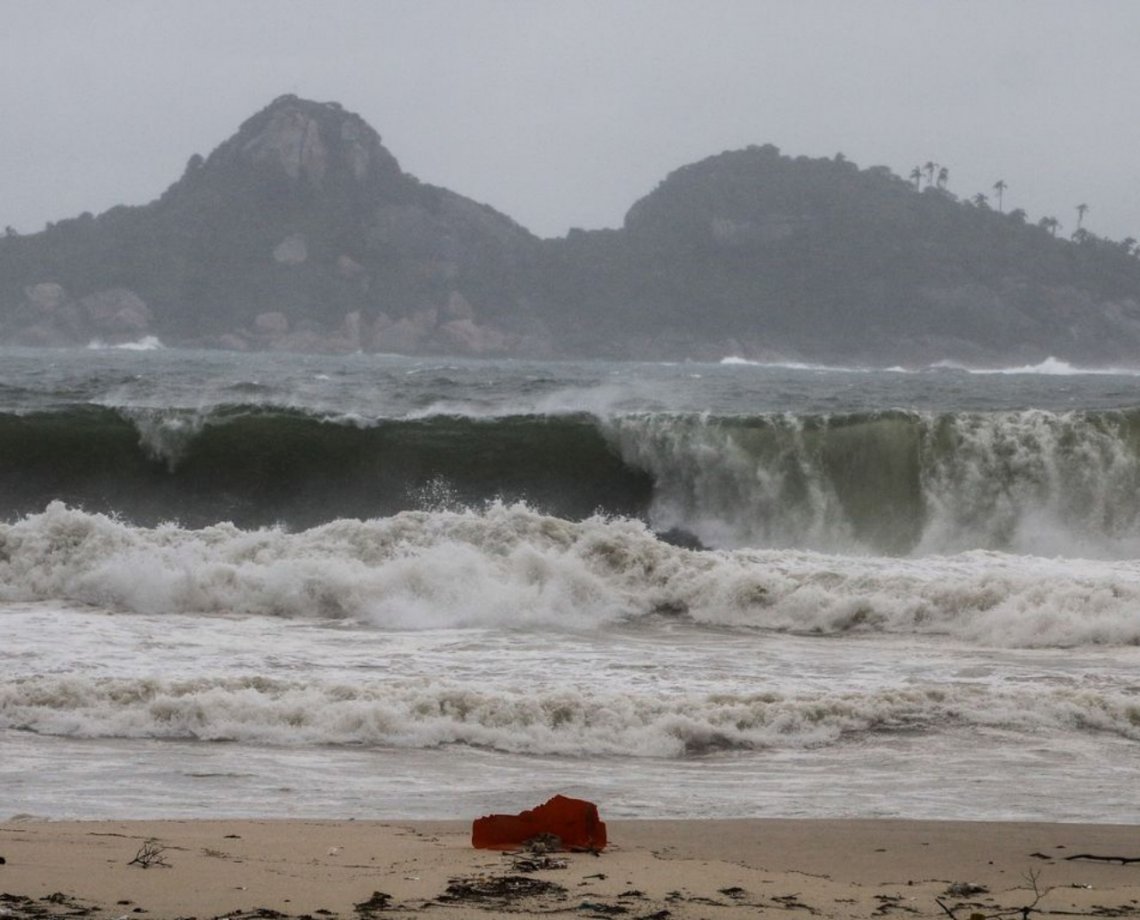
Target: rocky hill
(757,254)
(301,232)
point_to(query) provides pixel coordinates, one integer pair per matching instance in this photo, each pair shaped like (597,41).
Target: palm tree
(1049,223)
(980,200)
(929,166)
(1081,210)
(1000,188)
(943,177)
(916,177)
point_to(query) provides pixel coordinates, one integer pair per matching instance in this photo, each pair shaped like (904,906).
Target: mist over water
(458,570)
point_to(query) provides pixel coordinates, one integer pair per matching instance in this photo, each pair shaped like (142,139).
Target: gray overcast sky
(562,114)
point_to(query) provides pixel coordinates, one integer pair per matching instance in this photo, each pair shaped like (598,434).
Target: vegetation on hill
(819,258)
(302,232)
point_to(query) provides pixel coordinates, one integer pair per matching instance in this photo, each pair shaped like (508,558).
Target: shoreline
(653,868)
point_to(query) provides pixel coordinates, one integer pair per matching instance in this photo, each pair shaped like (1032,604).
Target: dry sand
(652,869)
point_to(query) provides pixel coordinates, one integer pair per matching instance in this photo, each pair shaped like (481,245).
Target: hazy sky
(562,114)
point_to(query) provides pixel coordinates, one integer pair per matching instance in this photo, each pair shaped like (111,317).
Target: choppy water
(388,587)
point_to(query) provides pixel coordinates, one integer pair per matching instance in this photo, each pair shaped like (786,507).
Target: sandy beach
(652,869)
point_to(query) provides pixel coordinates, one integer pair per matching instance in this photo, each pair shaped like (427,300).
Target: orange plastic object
(573,821)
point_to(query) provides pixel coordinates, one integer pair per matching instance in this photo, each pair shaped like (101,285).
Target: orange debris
(574,822)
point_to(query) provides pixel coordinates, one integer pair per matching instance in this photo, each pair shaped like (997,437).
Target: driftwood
(1123,860)
(1030,908)
(150,854)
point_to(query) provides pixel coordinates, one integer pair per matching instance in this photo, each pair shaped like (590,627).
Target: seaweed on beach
(380,900)
(499,890)
(57,904)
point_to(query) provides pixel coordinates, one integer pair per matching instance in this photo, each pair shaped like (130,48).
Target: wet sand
(652,869)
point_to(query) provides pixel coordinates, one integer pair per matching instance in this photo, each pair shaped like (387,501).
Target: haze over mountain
(301,232)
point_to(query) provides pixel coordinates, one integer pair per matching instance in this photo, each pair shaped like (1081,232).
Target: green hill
(302,232)
(755,253)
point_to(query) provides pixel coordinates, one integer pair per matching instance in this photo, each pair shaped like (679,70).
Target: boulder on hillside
(466,337)
(293,250)
(46,297)
(271,323)
(231,341)
(458,307)
(117,312)
(404,336)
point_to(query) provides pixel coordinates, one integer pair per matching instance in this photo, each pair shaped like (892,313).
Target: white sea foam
(549,720)
(510,566)
(166,434)
(1050,367)
(734,360)
(146,343)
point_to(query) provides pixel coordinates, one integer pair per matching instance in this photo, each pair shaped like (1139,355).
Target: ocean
(387,587)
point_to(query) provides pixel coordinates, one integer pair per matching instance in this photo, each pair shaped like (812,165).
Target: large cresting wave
(883,482)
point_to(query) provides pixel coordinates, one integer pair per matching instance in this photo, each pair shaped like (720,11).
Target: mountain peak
(313,143)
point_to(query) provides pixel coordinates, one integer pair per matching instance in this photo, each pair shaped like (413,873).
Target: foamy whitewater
(370,586)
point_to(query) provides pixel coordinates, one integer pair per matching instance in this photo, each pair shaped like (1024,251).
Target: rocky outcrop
(466,337)
(310,236)
(293,250)
(271,324)
(49,317)
(118,313)
(45,297)
(311,143)
(292,142)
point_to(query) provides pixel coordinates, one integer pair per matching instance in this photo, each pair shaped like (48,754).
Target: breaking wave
(1050,367)
(896,482)
(884,482)
(522,720)
(511,566)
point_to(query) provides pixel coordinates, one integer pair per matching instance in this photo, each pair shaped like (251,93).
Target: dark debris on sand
(379,901)
(57,904)
(256,913)
(499,890)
